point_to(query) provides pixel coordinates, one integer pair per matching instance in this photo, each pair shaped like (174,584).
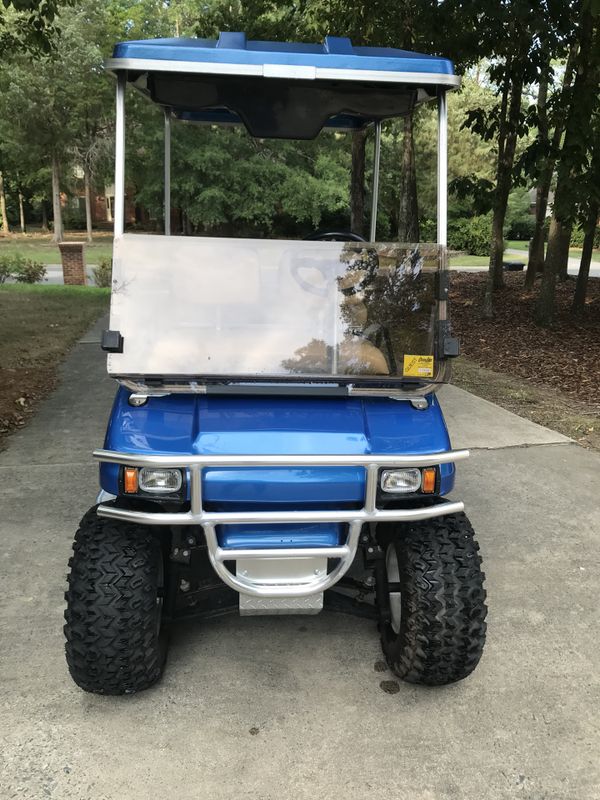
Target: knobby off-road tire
(116,643)
(440,614)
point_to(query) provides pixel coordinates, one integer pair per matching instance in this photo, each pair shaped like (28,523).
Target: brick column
(73,263)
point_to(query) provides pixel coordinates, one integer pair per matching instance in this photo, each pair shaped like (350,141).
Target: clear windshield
(269,309)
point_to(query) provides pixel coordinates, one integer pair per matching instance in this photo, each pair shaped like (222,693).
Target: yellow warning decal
(418,366)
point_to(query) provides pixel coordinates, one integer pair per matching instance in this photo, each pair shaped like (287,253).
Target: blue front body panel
(256,425)
(277,536)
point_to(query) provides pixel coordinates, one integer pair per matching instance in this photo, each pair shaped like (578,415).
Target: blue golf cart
(275,444)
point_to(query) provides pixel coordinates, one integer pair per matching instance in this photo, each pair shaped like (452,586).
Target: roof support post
(167,171)
(119,211)
(375,197)
(442,169)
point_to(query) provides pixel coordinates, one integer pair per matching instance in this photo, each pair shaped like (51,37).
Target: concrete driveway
(273,708)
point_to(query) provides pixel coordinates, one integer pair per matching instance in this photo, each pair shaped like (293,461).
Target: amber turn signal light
(130,480)
(428,480)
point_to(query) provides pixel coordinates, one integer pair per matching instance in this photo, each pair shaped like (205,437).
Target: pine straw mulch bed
(556,368)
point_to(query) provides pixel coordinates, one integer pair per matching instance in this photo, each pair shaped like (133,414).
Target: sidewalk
(277,708)
(54,274)
(521,255)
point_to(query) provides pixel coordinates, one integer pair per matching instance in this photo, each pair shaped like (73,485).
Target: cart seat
(360,356)
(355,356)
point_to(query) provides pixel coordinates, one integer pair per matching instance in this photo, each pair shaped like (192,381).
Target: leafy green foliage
(428,228)
(23,270)
(476,193)
(225,180)
(5,269)
(470,235)
(578,235)
(30,272)
(50,102)
(28,26)
(103,274)
(521,229)
(520,222)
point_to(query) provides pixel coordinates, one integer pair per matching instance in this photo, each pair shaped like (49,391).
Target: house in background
(532,200)
(102,207)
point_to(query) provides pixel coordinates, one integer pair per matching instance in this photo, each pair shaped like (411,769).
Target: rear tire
(116,642)
(436,628)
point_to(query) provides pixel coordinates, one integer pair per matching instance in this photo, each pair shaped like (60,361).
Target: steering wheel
(335,236)
(323,236)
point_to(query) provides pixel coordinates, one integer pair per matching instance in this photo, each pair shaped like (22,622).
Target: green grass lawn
(469,261)
(38,325)
(40,247)
(574,252)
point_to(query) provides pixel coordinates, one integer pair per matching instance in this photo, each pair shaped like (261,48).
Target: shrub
(103,273)
(74,219)
(5,268)
(428,228)
(26,270)
(578,235)
(470,235)
(521,229)
(23,270)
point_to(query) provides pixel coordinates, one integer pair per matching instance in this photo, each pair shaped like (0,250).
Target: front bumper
(209,520)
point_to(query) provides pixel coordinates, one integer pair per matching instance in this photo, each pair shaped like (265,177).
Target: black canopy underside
(272,108)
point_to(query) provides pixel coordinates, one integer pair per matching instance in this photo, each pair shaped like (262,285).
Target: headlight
(400,481)
(160,481)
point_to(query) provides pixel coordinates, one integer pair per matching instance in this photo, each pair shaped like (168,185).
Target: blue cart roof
(281,89)
(232,54)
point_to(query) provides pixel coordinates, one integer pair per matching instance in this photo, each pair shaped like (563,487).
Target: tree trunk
(44,217)
(586,259)
(579,113)
(558,249)
(408,210)
(56,206)
(492,277)
(507,143)
(88,202)
(495,278)
(21,213)
(357,183)
(535,264)
(3,214)
(562,267)
(536,245)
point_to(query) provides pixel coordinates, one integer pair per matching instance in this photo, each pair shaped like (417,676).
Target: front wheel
(116,640)
(433,623)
